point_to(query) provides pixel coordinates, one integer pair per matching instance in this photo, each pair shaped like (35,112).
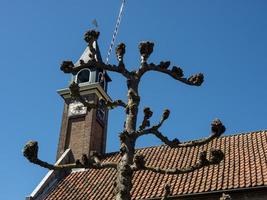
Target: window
(83,76)
(100,113)
(101,80)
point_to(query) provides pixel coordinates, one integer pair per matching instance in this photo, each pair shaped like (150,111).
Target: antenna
(116,30)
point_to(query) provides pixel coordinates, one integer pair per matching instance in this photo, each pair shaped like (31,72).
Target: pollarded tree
(131,162)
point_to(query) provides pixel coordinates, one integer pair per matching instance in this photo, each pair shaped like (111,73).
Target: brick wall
(97,138)
(75,140)
(63,131)
(82,133)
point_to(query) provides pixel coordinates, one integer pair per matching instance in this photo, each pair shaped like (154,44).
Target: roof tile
(244,165)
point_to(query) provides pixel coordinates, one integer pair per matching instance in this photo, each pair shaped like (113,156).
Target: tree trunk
(125,173)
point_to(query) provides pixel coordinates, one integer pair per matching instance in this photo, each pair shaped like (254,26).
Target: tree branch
(75,93)
(114,104)
(146,48)
(217,129)
(167,192)
(147,115)
(90,37)
(146,123)
(215,158)
(165,115)
(30,151)
(176,73)
(68,67)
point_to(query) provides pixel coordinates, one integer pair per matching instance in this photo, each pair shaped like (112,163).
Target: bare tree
(131,162)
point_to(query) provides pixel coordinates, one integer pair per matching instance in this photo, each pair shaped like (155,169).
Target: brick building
(242,174)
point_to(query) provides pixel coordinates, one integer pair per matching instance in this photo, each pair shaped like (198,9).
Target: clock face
(76,108)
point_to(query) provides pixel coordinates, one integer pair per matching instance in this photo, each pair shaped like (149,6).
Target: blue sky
(226,40)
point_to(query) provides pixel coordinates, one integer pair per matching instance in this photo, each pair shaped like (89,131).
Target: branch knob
(139,161)
(66,66)
(166,114)
(84,160)
(167,192)
(177,72)
(147,112)
(164,65)
(145,48)
(203,158)
(74,89)
(167,189)
(216,156)
(120,51)
(91,36)
(217,127)
(147,115)
(30,151)
(174,143)
(196,79)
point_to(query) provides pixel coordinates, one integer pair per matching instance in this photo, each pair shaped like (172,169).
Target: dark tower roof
(85,58)
(85,55)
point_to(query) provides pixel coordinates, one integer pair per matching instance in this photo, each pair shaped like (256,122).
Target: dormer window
(83,76)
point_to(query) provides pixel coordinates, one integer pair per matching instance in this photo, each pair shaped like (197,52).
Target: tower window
(101,80)
(100,113)
(83,76)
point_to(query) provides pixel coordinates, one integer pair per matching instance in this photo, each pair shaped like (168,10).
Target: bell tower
(84,130)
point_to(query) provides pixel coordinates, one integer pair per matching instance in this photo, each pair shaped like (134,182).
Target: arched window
(102,80)
(83,76)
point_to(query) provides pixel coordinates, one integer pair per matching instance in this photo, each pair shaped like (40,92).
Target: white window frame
(89,78)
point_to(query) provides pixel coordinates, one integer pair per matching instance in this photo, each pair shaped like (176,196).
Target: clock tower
(84,130)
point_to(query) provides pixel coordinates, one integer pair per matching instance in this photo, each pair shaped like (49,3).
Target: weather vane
(94,22)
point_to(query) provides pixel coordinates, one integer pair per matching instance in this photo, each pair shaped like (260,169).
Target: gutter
(211,192)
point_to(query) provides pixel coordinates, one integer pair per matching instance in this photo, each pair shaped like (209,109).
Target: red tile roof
(244,166)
